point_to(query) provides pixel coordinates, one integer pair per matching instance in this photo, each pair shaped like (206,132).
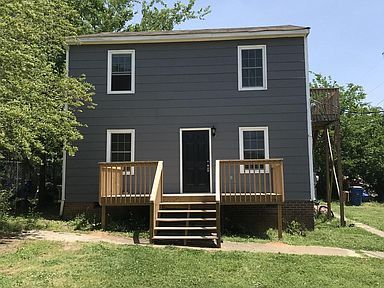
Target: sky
(346,40)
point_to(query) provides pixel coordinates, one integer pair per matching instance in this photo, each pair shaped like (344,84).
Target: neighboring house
(188,99)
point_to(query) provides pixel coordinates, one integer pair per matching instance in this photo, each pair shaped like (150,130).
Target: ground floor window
(253,143)
(120,145)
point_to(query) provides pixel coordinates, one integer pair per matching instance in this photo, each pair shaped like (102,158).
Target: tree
(362,133)
(34,87)
(118,15)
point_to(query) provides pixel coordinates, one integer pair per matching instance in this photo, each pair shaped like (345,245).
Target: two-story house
(197,126)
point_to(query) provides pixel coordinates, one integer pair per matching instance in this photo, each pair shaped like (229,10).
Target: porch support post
(218,224)
(103,216)
(151,222)
(327,178)
(280,221)
(340,172)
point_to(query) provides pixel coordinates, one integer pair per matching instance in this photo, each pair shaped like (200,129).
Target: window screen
(121,78)
(252,67)
(121,147)
(254,147)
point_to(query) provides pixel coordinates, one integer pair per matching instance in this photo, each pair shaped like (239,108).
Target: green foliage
(102,15)
(157,15)
(295,228)
(84,223)
(120,15)
(33,86)
(5,205)
(362,134)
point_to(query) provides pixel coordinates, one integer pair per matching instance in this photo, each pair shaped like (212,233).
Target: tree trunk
(43,197)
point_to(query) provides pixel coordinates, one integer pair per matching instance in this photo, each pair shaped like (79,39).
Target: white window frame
(108,150)
(109,71)
(241,147)
(240,70)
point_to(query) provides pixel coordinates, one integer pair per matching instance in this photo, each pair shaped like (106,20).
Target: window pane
(121,147)
(121,63)
(127,157)
(252,67)
(114,137)
(260,154)
(114,146)
(121,77)
(259,62)
(115,157)
(253,145)
(121,83)
(252,82)
(253,139)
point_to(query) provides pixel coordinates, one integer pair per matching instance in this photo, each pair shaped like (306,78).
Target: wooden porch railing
(250,181)
(126,183)
(241,182)
(156,198)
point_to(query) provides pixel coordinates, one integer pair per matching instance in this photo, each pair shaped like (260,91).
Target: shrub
(295,228)
(5,203)
(82,222)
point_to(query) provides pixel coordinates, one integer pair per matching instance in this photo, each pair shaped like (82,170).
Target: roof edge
(184,37)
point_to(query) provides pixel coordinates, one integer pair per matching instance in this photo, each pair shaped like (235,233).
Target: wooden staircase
(187,220)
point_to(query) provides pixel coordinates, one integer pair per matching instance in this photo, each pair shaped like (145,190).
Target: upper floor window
(121,71)
(252,67)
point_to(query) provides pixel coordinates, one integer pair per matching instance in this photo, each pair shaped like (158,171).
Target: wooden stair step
(187,228)
(209,237)
(187,203)
(184,219)
(188,211)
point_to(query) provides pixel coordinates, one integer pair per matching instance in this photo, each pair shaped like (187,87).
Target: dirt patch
(9,245)
(72,241)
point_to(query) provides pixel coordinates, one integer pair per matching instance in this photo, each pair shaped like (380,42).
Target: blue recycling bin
(356,195)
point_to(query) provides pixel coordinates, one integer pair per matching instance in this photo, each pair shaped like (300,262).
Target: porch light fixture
(213,131)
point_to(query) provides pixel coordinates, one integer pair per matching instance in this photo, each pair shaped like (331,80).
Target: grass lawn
(16,224)
(49,264)
(13,225)
(370,213)
(325,234)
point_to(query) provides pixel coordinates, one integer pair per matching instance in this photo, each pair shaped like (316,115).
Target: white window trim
(241,147)
(109,71)
(240,70)
(108,150)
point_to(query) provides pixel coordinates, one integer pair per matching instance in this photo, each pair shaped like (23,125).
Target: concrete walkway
(273,247)
(363,226)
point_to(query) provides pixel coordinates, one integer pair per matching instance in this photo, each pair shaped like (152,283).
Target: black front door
(196,166)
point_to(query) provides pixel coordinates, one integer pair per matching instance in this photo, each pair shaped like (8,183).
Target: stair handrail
(156,197)
(218,200)
(217,182)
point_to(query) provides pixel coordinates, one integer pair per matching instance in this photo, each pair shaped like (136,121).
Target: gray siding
(184,85)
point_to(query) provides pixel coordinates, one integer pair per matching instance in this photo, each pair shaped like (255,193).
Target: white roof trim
(192,37)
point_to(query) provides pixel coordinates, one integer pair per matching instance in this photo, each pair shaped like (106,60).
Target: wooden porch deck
(188,217)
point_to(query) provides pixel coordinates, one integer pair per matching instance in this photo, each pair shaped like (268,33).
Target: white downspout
(309,123)
(64,167)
